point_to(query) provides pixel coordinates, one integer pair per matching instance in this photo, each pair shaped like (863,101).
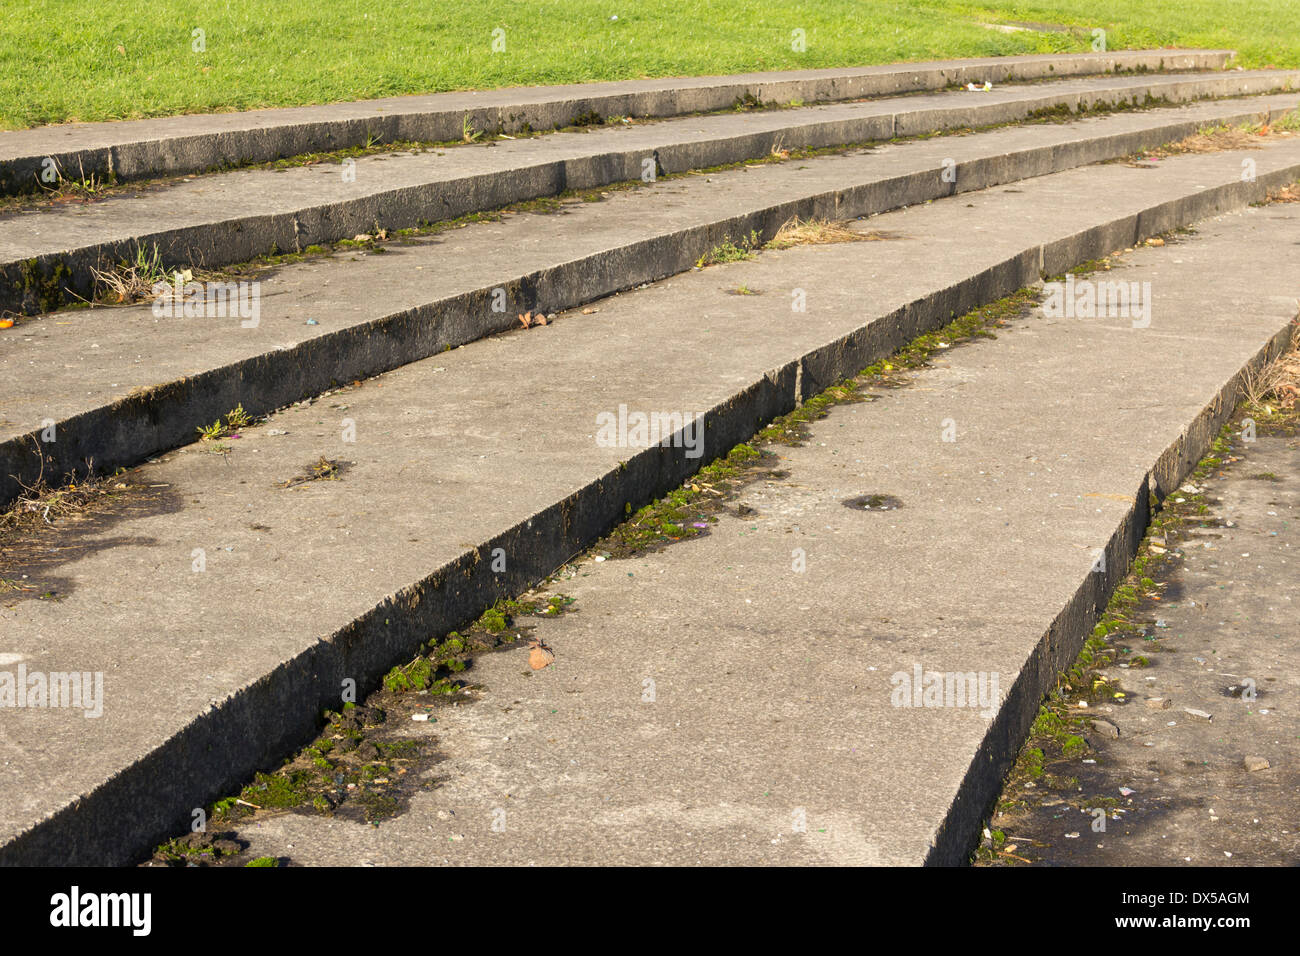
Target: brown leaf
(540,655)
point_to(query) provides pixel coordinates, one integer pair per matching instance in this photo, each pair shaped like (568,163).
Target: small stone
(1201,714)
(1253,763)
(1106,729)
(1157,703)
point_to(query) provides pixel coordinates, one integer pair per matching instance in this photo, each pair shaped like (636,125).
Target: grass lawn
(64,60)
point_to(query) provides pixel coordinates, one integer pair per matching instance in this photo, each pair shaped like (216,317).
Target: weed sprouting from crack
(728,251)
(323,469)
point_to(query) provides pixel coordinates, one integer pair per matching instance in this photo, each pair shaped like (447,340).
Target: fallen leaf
(540,655)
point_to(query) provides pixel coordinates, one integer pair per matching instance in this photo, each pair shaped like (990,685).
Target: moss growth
(43,288)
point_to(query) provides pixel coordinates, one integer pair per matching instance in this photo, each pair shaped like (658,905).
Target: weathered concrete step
(119,385)
(209,674)
(738,698)
(49,253)
(189,144)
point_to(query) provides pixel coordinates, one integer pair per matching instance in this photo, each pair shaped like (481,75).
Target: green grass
(63,60)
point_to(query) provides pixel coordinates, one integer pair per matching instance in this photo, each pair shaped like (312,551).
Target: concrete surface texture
(1204,764)
(235,216)
(733,699)
(211,673)
(353,315)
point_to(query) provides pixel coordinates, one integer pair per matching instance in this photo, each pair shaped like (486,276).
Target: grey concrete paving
(185,144)
(1227,642)
(210,674)
(236,216)
(114,399)
(716,703)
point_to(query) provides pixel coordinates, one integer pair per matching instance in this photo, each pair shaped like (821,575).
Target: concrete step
(211,673)
(48,254)
(735,699)
(190,144)
(113,400)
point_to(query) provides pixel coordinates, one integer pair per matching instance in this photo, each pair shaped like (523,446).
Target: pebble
(1106,729)
(1253,763)
(1203,715)
(1157,703)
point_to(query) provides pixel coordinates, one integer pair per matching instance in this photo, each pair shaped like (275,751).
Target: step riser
(112,824)
(1058,648)
(199,153)
(243,239)
(129,431)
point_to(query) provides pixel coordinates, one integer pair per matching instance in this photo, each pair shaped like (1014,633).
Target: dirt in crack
(370,759)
